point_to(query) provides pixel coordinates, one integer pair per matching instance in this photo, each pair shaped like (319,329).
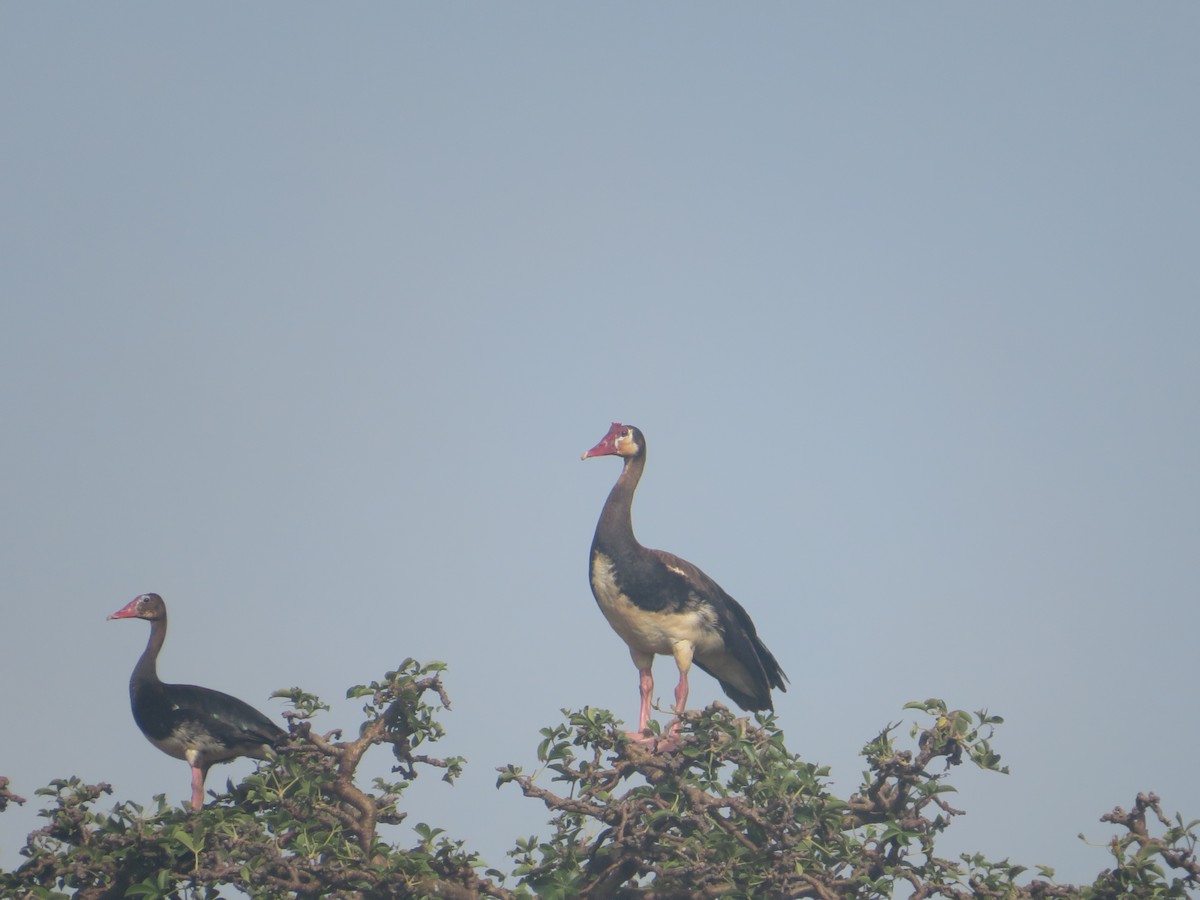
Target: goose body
(661,604)
(196,724)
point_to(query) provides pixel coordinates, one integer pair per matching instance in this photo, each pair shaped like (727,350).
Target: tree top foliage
(721,809)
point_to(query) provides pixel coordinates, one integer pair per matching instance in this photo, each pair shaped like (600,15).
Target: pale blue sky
(308,313)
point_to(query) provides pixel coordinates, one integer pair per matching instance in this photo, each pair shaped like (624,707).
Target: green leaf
(180,834)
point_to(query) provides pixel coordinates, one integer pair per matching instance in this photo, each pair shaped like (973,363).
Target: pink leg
(643,661)
(681,692)
(198,787)
(681,695)
(683,652)
(646,687)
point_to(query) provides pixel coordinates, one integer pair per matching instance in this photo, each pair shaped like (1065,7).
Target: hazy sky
(309,311)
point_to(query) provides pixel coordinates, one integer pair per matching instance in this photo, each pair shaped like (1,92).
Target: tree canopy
(721,809)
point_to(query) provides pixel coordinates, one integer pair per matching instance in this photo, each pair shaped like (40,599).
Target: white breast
(647,631)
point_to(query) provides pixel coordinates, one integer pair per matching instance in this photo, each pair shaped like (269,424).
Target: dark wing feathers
(231,721)
(646,580)
(738,632)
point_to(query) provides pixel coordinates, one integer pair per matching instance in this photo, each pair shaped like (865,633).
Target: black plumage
(661,604)
(195,724)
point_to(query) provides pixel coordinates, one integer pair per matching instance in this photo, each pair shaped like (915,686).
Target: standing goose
(659,603)
(187,722)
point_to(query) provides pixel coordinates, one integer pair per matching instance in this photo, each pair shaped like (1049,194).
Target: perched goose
(659,603)
(187,722)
